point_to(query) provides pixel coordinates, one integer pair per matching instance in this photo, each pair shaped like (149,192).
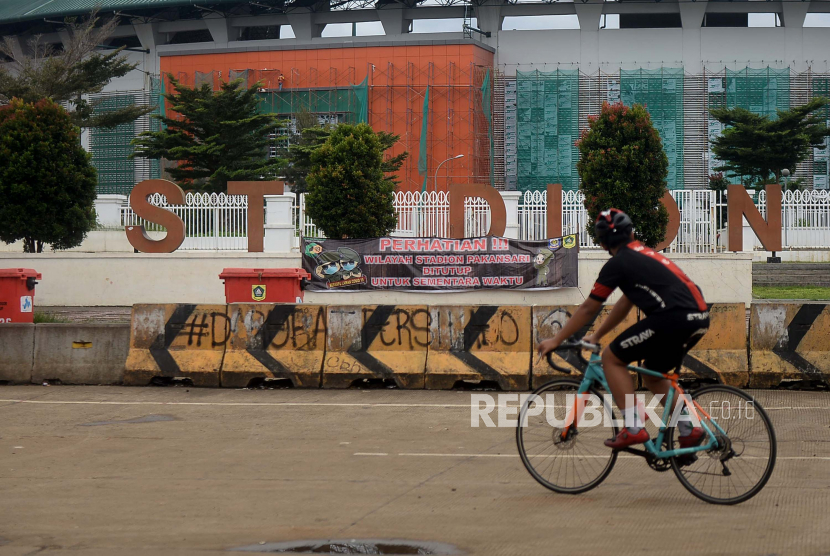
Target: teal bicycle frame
(595,374)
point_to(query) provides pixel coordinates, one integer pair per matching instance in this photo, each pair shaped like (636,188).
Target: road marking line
(371,454)
(241,404)
(461,455)
(804,407)
(626,456)
(307,404)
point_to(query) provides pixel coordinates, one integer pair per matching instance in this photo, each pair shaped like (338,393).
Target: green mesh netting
(361,97)
(762,91)
(547,115)
(487,107)
(422,147)
(821,169)
(351,102)
(661,92)
(111,149)
(157,99)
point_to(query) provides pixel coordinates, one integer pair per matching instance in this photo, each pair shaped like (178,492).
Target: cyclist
(677,317)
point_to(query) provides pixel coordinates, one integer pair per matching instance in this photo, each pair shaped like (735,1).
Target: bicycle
(735,457)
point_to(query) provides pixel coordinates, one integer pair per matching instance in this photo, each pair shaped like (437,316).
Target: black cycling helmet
(613,227)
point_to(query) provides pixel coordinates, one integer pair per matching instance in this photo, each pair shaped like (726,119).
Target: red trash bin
(17,294)
(264,285)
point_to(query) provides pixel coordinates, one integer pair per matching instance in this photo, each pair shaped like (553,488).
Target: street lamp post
(435,181)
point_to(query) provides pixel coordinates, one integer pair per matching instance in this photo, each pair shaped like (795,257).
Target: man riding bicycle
(677,317)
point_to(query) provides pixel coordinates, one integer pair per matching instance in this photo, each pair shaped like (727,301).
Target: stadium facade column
(691,17)
(16,46)
(489,19)
(150,37)
(302,22)
(792,18)
(393,21)
(64,35)
(220,29)
(589,15)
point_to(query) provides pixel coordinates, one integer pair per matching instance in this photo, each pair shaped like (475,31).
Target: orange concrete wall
(398,78)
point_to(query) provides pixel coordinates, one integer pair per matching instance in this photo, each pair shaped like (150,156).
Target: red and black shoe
(625,439)
(694,438)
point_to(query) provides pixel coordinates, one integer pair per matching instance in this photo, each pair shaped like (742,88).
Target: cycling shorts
(661,340)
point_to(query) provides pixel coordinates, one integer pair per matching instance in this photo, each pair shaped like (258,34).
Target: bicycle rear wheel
(739,466)
(565,459)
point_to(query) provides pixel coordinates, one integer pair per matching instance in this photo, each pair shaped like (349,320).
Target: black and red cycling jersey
(651,281)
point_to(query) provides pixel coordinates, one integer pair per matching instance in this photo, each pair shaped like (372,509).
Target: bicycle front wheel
(560,455)
(741,463)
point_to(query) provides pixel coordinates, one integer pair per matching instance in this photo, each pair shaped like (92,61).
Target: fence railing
(698,217)
(211,221)
(419,215)
(220,222)
(805,218)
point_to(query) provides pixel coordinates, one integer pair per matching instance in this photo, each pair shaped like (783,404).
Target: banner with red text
(438,264)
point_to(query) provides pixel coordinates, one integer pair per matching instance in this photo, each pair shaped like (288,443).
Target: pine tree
(623,165)
(70,74)
(757,148)
(220,137)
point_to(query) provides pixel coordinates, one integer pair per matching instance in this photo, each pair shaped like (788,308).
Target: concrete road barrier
(479,343)
(17,352)
(548,321)
(721,354)
(376,343)
(80,353)
(177,341)
(409,346)
(789,342)
(270,341)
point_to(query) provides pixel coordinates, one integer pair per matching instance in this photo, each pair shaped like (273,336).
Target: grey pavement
(96,471)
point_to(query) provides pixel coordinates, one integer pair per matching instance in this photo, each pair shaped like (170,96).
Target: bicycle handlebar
(575,346)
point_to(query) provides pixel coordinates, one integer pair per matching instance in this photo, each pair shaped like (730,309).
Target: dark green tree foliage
(623,165)
(68,74)
(47,184)
(220,137)
(348,194)
(299,155)
(756,148)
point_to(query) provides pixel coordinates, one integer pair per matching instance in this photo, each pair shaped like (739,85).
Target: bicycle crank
(658,464)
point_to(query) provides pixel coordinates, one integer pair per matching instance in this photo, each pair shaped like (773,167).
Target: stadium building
(508,85)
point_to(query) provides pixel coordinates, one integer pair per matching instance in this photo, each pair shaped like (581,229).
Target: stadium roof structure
(13,11)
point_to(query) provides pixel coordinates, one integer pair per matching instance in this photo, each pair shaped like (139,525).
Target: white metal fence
(698,217)
(805,218)
(419,215)
(212,221)
(220,222)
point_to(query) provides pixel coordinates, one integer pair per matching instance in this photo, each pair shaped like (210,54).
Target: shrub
(623,165)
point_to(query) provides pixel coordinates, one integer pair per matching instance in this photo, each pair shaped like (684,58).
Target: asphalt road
(138,471)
